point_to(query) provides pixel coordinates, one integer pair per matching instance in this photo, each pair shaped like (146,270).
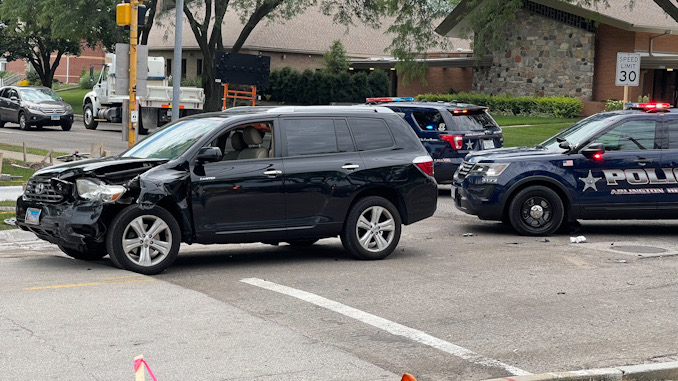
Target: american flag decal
(568,163)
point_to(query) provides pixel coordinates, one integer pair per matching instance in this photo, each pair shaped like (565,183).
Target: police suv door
(668,202)
(625,182)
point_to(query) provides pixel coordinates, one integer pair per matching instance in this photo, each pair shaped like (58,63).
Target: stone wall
(546,58)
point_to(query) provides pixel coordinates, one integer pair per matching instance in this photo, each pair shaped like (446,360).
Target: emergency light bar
(389,99)
(650,106)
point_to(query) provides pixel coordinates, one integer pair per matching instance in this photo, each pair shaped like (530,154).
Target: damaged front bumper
(71,224)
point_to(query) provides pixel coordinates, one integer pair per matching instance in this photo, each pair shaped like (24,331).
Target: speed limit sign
(628,69)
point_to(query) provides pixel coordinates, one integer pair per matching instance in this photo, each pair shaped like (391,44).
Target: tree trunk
(213,91)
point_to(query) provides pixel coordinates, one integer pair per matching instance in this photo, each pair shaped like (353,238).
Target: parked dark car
(287,174)
(448,130)
(613,165)
(34,106)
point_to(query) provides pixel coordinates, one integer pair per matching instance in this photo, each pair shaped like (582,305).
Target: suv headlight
(489,169)
(95,190)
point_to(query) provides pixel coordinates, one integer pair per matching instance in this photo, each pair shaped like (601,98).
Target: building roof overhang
(455,62)
(457,21)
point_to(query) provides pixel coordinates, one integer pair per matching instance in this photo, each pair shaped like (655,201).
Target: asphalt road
(77,139)
(460,299)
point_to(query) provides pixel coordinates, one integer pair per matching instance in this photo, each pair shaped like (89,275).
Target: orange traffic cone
(408,377)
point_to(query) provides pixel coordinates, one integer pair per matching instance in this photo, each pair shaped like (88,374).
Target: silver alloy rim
(88,116)
(147,240)
(375,229)
(22,121)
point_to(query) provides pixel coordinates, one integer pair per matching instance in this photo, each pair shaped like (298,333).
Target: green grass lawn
(531,135)
(74,98)
(514,120)
(34,151)
(5,215)
(8,169)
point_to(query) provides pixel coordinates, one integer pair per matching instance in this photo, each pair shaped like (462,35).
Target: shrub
(84,82)
(322,87)
(559,107)
(613,104)
(33,78)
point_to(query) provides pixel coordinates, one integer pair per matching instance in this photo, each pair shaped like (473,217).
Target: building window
(183,68)
(199,69)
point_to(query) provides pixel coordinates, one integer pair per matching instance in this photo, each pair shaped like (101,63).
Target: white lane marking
(386,325)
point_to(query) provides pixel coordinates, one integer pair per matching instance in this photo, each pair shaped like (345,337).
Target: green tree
(335,59)
(28,34)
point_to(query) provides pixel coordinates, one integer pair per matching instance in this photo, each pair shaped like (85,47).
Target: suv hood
(113,168)
(509,154)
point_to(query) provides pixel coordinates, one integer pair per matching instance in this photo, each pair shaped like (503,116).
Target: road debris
(578,239)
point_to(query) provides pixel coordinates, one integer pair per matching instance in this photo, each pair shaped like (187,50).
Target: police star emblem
(469,145)
(590,182)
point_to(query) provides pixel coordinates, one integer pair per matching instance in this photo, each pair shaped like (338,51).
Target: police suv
(613,165)
(448,130)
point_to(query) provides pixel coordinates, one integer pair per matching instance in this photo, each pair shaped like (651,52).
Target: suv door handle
(273,172)
(643,161)
(350,166)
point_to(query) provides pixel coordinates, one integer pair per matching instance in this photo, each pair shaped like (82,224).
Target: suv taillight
(456,141)
(425,164)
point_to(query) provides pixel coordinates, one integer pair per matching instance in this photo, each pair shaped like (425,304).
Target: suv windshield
(173,140)
(36,95)
(577,133)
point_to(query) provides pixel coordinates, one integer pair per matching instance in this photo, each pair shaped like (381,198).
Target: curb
(643,372)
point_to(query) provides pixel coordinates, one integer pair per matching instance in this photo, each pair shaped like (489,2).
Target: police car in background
(448,130)
(613,165)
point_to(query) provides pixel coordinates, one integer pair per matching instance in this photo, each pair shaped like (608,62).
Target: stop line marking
(386,325)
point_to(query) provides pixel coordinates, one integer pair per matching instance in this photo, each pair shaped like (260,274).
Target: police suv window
(370,134)
(344,140)
(429,120)
(673,134)
(633,135)
(310,136)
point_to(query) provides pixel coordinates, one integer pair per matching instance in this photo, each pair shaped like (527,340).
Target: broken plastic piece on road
(468,234)
(578,239)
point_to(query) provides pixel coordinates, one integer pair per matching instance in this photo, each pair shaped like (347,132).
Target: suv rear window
(370,134)
(474,120)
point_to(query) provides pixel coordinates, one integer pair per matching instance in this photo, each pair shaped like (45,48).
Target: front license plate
(56,117)
(32,216)
(488,144)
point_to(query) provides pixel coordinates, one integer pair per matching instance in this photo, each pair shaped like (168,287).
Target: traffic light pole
(133,110)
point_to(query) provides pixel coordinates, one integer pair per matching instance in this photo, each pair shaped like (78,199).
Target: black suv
(287,174)
(448,130)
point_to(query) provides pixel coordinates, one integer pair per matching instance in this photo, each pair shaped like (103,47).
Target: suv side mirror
(593,150)
(209,155)
(91,73)
(13,99)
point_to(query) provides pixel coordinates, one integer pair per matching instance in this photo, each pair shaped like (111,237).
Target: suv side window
(370,133)
(2,93)
(633,135)
(310,136)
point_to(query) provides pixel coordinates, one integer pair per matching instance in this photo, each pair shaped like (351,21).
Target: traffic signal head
(123,14)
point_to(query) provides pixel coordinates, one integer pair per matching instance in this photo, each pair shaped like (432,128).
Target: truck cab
(103,103)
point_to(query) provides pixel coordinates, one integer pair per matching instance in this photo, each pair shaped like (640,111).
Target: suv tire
(536,211)
(66,126)
(23,122)
(372,228)
(145,241)
(92,253)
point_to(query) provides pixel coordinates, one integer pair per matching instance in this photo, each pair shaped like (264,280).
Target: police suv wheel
(145,241)
(88,117)
(92,253)
(536,211)
(372,228)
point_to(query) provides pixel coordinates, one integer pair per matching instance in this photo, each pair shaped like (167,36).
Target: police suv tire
(372,229)
(88,117)
(67,126)
(23,122)
(92,253)
(536,211)
(158,235)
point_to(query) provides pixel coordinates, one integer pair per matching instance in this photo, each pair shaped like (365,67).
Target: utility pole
(133,110)
(176,70)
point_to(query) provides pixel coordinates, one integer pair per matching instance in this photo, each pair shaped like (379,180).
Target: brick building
(558,48)
(70,67)
(300,43)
